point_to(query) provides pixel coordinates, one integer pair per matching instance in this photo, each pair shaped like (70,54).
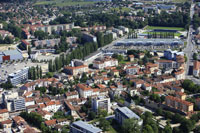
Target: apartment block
(123,113)
(4,115)
(15,104)
(132,70)
(101,102)
(179,104)
(101,63)
(19,76)
(57,28)
(70,70)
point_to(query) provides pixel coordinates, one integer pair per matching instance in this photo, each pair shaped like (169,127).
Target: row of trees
(190,87)
(176,19)
(103,40)
(80,52)
(187,125)
(37,121)
(35,73)
(196,20)
(6,40)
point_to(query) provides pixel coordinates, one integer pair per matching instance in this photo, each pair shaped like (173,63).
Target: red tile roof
(50,122)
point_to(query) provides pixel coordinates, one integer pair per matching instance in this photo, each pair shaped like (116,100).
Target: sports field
(63,2)
(167,28)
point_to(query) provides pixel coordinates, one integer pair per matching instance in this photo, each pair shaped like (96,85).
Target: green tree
(195,56)
(92,115)
(104,124)
(130,126)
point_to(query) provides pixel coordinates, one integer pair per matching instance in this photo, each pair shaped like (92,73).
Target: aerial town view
(99,66)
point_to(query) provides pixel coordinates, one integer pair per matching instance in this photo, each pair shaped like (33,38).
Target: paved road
(190,48)
(88,60)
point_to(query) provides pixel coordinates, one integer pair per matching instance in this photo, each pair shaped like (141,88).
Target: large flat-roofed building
(149,42)
(19,76)
(123,113)
(101,102)
(10,55)
(83,127)
(57,28)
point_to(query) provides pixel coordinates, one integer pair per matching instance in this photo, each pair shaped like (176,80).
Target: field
(123,9)
(176,34)
(180,1)
(63,2)
(167,28)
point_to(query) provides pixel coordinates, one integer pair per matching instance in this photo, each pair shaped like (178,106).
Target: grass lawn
(123,62)
(123,9)
(112,130)
(64,2)
(167,28)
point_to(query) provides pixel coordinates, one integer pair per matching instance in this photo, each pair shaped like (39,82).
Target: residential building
(57,28)
(4,34)
(132,70)
(118,32)
(42,83)
(15,104)
(169,64)
(52,106)
(71,95)
(101,102)
(171,55)
(89,37)
(25,44)
(180,74)
(124,29)
(196,68)
(50,123)
(151,67)
(101,63)
(122,113)
(94,28)
(180,95)
(86,91)
(179,104)
(147,87)
(49,43)
(6,124)
(19,76)
(4,115)
(131,58)
(114,35)
(83,127)
(9,95)
(75,70)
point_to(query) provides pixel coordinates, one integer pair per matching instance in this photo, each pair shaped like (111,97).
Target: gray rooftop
(128,113)
(11,52)
(87,126)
